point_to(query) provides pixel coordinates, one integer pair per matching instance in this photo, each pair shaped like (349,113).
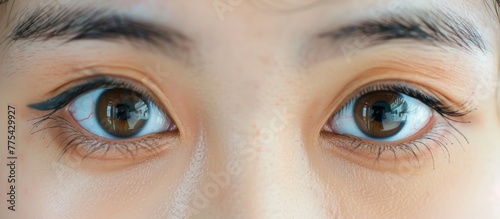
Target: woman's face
(250,109)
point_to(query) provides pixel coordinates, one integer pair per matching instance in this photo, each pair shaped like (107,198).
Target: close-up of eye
(108,118)
(382,116)
(396,121)
(119,113)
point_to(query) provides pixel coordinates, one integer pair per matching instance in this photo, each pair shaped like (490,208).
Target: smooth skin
(250,101)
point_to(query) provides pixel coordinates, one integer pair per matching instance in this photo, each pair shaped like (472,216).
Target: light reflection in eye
(118,113)
(382,116)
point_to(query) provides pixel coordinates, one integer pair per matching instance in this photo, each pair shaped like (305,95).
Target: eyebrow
(422,26)
(98,24)
(92,24)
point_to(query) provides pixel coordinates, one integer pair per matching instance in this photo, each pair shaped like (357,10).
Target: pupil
(379,110)
(380,114)
(122,112)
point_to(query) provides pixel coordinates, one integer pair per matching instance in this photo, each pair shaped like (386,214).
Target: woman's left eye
(118,113)
(385,116)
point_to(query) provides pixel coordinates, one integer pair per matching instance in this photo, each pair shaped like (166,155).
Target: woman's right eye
(382,116)
(119,113)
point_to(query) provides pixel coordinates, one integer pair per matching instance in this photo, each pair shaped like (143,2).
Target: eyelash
(442,108)
(436,135)
(76,139)
(72,138)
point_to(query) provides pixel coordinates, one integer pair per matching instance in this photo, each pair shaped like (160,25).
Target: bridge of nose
(259,169)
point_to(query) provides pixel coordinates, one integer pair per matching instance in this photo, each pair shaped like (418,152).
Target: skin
(250,111)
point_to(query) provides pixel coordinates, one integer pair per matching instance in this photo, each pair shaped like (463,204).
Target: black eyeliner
(67,96)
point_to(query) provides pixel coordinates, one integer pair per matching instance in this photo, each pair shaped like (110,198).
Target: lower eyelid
(434,142)
(145,147)
(77,142)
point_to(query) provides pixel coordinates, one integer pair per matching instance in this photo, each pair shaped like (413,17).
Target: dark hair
(497,8)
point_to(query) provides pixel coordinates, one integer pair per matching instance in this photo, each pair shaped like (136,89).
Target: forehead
(254,12)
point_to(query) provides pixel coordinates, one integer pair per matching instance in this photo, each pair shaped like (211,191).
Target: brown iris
(122,112)
(380,114)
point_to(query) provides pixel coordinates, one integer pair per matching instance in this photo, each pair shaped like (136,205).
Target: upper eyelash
(64,98)
(447,111)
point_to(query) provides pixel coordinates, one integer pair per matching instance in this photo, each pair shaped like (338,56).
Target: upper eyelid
(64,98)
(67,96)
(443,107)
(365,89)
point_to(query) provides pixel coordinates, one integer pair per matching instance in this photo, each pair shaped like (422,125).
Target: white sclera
(83,111)
(418,116)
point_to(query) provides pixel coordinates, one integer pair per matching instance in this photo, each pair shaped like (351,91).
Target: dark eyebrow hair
(68,24)
(423,26)
(496,7)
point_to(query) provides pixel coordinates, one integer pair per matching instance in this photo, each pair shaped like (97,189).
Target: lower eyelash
(442,134)
(72,139)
